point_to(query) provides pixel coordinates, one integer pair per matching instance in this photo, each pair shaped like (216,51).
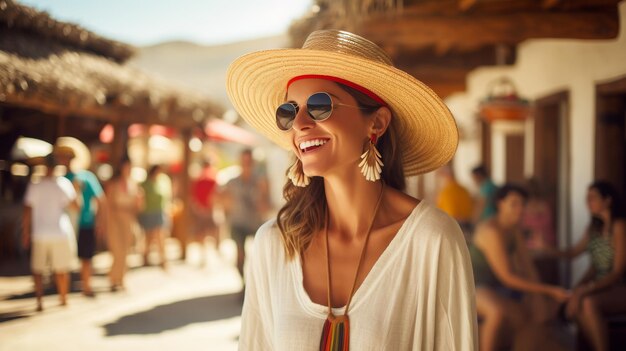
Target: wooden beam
(109,113)
(466,33)
(486,56)
(452,7)
(465,5)
(55,108)
(436,72)
(550,4)
(443,90)
(441,79)
(446,74)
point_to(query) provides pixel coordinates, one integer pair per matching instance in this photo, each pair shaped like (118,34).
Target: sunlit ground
(188,307)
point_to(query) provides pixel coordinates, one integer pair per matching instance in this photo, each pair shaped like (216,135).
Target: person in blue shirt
(485,206)
(91,220)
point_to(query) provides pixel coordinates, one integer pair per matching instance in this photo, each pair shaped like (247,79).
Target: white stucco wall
(544,67)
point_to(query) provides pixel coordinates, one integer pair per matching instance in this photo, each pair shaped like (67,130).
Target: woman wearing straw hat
(351,262)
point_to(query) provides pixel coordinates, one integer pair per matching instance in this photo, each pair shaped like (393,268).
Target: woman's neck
(505,224)
(351,205)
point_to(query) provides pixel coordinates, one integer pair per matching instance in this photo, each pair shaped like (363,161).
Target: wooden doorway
(610,155)
(485,147)
(551,169)
(514,169)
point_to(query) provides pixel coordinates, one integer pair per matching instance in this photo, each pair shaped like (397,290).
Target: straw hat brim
(427,132)
(76,150)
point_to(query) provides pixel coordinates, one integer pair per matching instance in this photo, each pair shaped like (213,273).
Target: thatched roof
(18,17)
(340,14)
(43,72)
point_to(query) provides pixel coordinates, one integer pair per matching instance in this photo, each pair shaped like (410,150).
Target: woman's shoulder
(267,237)
(486,231)
(267,230)
(487,225)
(429,223)
(427,215)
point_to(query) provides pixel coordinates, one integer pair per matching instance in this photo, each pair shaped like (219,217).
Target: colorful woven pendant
(336,330)
(336,334)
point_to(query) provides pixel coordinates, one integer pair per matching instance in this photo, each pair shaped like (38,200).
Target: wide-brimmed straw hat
(257,84)
(74,149)
(64,151)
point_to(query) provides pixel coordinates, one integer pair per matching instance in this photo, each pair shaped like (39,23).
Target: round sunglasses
(319,107)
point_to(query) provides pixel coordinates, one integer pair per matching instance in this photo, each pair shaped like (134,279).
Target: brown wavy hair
(305,210)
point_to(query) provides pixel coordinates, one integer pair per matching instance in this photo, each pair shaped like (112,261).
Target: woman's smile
(311,145)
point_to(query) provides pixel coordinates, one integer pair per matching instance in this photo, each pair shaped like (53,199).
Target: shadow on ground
(9,316)
(50,288)
(177,315)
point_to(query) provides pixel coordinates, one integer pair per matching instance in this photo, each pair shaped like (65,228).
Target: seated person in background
(538,218)
(503,269)
(602,290)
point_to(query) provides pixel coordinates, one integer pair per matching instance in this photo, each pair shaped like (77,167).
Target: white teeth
(310,143)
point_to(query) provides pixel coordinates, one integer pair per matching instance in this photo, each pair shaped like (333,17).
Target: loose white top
(419,295)
(48,200)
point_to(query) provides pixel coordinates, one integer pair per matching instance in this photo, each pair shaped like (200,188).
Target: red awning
(218,130)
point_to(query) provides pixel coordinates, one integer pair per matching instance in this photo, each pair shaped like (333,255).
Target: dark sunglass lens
(319,106)
(285,114)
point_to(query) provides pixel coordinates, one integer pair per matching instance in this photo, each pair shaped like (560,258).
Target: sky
(147,22)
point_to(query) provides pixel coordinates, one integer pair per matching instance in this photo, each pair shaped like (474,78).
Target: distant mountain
(197,67)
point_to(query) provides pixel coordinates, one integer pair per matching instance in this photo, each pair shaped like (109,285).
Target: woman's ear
(381,120)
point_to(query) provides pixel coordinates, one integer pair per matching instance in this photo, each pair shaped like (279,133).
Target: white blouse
(419,295)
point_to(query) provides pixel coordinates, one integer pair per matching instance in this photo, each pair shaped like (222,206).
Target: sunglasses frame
(297,109)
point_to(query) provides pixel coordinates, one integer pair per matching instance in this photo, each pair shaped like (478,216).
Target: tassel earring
(371,163)
(297,176)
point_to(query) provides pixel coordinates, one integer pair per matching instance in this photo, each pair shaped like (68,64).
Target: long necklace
(336,332)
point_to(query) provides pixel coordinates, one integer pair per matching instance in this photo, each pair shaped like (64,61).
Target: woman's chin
(312,171)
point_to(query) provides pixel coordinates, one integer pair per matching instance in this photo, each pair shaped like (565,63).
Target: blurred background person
(538,219)
(92,215)
(246,203)
(47,229)
(503,269)
(455,200)
(157,195)
(202,200)
(602,290)
(485,205)
(125,202)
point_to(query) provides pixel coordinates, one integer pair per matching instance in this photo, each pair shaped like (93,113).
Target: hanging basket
(503,103)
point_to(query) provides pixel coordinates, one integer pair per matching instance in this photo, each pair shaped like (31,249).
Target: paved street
(188,307)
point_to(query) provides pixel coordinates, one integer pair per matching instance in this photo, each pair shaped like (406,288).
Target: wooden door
(610,153)
(514,158)
(485,129)
(551,169)
(547,140)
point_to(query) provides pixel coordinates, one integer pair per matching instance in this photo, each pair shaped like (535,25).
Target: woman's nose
(302,120)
